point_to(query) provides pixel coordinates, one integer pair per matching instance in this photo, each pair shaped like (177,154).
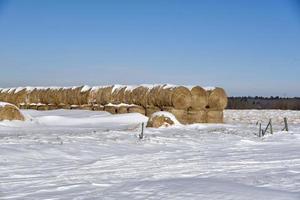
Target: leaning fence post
(271,127)
(285,124)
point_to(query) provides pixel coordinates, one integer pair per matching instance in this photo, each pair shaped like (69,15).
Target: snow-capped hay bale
(215,116)
(197,116)
(137,109)
(11,96)
(110,109)
(122,109)
(128,95)
(10,112)
(92,96)
(153,96)
(181,115)
(20,96)
(178,97)
(52,107)
(118,94)
(217,99)
(162,119)
(139,96)
(33,96)
(151,109)
(199,98)
(106,95)
(83,95)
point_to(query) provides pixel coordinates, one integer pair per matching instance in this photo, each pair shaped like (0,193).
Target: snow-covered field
(94,155)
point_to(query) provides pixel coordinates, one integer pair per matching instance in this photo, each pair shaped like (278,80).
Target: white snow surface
(75,154)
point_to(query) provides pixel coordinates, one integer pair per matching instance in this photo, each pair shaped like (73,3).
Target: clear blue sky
(248,47)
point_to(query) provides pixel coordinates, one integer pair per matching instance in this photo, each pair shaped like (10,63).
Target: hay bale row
(188,104)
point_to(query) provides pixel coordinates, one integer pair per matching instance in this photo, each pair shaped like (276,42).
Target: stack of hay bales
(189,104)
(10,112)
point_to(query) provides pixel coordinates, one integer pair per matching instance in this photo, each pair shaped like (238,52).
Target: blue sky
(248,47)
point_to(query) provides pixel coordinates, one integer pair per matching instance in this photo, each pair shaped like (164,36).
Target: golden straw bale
(97,107)
(197,116)
(92,96)
(151,109)
(110,109)
(32,106)
(20,96)
(128,95)
(117,95)
(181,98)
(217,99)
(122,109)
(52,107)
(178,97)
(139,96)
(34,96)
(137,109)
(11,96)
(181,115)
(10,112)
(199,98)
(63,106)
(157,121)
(214,116)
(42,107)
(153,95)
(106,95)
(86,107)
(83,95)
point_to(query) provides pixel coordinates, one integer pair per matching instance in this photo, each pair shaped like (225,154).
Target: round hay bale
(83,95)
(197,116)
(181,115)
(10,112)
(178,97)
(33,96)
(52,107)
(181,98)
(161,119)
(140,96)
(20,96)
(217,99)
(151,109)
(63,106)
(11,96)
(122,109)
(153,95)
(137,109)
(97,107)
(42,107)
(117,95)
(106,95)
(92,96)
(199,98)
(110,109)
(128,95)
(214,116)
(86,107)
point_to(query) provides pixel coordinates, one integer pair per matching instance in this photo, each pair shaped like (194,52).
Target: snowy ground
(94,155)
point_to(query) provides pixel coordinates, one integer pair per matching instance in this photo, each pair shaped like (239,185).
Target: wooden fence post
(141,135)
(286,128)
